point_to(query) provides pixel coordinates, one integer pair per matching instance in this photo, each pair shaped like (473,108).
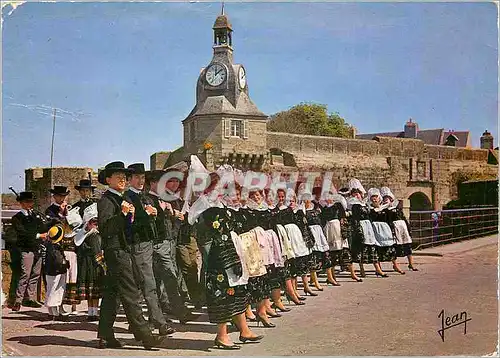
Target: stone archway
(420,202)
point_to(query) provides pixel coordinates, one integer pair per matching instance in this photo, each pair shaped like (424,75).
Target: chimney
(411,129)
(486,140)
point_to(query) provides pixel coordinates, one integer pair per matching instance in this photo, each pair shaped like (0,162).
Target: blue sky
(127,72)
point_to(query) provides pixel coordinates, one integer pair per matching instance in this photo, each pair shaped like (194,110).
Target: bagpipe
(45,219)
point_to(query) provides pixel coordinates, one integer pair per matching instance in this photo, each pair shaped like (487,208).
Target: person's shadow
(39,341)
(130,344)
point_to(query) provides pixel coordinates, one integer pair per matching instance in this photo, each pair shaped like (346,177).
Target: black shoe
(166,330)
(152,342)
(220,345)
(277,315)
(250,339)
(381,275)
(16,307)
(412,268)
(32,304)
(332,283)
(264,323)
(111,343)
(252,319)
(302,298)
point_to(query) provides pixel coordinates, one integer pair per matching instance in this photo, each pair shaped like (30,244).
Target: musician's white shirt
(137,191)
(115,191)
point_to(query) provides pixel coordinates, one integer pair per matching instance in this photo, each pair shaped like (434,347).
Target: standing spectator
(30,227)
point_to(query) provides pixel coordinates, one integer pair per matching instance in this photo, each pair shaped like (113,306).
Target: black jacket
(112,223)
(163,221)
(143,227)
(26,229)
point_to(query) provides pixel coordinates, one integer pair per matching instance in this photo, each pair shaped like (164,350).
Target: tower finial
(222,13)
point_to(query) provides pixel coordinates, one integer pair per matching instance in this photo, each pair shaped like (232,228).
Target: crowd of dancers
(255,243)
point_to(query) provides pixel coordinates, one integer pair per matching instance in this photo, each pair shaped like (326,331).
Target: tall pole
(52,146)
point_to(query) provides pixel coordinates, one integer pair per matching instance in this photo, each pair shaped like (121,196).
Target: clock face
(216,74)
(242,77)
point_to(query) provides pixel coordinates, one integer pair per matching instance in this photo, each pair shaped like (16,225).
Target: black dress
(301,265)
(223,301)
(319,259)
(90,272)
(361,251)
(396,215)
(342,257)
(386,253)
(259,288)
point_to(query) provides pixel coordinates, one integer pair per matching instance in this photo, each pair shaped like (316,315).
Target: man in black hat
(115,218)
(30,228)
(58,209)
(143,233)
(85,189)
(164,249)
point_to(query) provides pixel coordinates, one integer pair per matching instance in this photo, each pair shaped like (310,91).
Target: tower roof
(222,22)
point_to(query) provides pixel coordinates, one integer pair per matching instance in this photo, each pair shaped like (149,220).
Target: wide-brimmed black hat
(85,184)
(154,175)
(137,168)
(25,196)
(109,169)
(59,190)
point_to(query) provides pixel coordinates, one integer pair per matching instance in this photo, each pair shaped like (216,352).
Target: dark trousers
(188,268)
(204,250)
(120,285)
(15,267)
(31,267)
(166,272)
(142,257)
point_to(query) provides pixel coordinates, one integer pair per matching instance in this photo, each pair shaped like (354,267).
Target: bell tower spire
(223,31)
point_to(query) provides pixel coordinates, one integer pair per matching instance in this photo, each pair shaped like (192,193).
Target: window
(236,128)
(421,169)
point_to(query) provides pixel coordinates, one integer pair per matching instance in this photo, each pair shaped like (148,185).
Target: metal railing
(436,227)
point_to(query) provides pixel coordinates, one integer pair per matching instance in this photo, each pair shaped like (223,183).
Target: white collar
(25,212)
(137,191)
(111,190)
(56,204)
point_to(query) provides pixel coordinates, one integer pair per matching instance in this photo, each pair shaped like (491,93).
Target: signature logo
(448,322)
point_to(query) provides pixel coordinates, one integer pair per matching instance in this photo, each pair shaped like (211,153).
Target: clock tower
(224,118)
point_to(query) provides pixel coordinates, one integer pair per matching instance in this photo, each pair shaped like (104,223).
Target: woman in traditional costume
(281,218)
(91,267)
(400,226)
(226,292)
(320,250)
(334,219)
(383,233)
(364,243)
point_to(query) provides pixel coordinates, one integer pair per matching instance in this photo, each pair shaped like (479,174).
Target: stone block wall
(39,181)
(405,165)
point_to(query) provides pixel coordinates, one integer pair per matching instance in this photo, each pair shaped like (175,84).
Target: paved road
(381,316)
